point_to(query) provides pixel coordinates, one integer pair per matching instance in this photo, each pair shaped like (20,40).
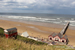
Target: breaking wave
(42,19)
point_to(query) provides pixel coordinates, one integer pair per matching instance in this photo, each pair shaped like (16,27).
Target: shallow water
(45,18)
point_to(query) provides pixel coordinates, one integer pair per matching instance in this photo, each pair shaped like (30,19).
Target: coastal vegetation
(30,41)
(1,32)
(22,43)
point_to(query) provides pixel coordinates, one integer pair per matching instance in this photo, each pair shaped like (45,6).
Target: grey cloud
(54,6)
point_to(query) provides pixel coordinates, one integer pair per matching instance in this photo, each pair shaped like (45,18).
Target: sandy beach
(36,29)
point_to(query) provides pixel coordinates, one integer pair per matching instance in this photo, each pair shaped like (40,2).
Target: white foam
(72,21)
(69,21)
(72,25)
(40,19)
(56,22)
(28,17)
(72,18)
(66,21)
(58,18)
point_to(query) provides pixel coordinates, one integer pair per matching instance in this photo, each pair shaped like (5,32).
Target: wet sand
(38,29)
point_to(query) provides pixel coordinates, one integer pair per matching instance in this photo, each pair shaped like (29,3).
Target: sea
(41,17)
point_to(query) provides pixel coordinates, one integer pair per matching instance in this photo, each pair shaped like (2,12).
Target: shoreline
(37,30)
(45,24)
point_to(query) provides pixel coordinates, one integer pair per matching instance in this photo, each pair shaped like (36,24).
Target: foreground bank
(36,30)
(22,43)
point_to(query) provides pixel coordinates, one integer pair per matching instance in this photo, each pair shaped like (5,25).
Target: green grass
(30,41)
(22,43)
(1,31)
(11,44)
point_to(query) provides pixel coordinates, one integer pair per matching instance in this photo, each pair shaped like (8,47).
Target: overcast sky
(38,6)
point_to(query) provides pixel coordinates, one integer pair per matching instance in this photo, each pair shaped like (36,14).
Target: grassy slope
(20,44)
(11,44)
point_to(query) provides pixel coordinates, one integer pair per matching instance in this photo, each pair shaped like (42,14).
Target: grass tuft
(22,43)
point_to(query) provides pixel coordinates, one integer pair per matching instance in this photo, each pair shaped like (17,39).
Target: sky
(38,6)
